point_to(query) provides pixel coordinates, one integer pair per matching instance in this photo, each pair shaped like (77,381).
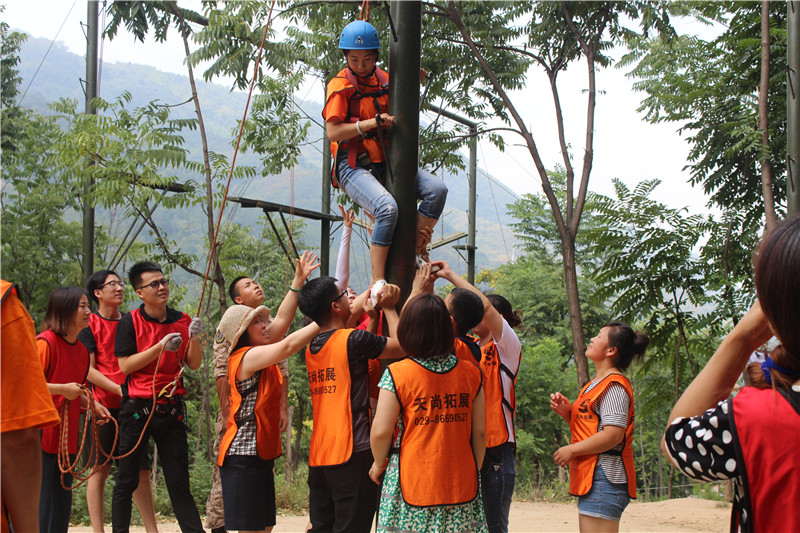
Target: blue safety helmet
(359,35)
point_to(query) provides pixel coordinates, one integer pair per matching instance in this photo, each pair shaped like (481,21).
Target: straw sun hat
(235,321)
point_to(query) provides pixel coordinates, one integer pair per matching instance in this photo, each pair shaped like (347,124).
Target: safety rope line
(212,251)
(365,10)
(68,467)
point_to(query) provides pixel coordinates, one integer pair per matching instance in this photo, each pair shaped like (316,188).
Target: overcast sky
(625,147)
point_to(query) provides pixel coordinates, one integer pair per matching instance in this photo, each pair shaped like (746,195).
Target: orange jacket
(329,380)
(496,423)
(362,101)
(584,423)
(437,465)
(267,409)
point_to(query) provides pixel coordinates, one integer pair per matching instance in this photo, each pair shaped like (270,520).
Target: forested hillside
(222,108)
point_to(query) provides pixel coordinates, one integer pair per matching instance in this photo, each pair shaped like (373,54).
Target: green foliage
(40,245)
(9,87)
(709,89)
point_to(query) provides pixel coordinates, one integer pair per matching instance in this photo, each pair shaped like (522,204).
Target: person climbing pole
(356,107)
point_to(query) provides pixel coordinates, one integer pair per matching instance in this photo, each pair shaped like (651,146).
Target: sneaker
(376,288)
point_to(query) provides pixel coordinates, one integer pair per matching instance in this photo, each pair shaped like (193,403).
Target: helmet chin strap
(362,77)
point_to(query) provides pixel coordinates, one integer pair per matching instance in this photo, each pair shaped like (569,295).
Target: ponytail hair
(630,344)
(778,376)
(503,306)
(777,280)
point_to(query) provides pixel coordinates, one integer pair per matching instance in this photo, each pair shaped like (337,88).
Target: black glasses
(113,284)
(163,282)
(340,295)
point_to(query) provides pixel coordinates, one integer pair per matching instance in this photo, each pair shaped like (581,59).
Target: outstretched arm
(343,259)
(283,318)
(260,357)
(491,317)
(715,382)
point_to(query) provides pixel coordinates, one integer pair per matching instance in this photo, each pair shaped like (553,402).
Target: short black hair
(316,297)
(233,292)
(466,308)
(136,271)
(96,281)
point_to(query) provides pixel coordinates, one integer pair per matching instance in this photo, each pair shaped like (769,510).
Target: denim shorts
(605,500)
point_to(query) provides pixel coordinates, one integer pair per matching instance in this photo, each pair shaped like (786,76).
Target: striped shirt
(612,410)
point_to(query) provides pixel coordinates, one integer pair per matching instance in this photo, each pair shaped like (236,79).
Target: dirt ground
(688,515)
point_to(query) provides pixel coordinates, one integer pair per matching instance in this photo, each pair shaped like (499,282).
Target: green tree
(651,273)
(709,89)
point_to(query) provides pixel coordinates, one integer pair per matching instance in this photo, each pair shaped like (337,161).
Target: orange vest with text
(496,423)
(329,381)
(437,465)
(266,412)
(584,423)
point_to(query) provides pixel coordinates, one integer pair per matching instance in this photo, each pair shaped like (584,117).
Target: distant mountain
(60,76)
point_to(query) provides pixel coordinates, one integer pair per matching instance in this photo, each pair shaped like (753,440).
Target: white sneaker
(376,288)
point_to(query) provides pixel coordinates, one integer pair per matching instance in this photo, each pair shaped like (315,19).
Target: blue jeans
(498,476)
(372,196)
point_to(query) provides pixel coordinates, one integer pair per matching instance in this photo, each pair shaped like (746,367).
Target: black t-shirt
(361,347)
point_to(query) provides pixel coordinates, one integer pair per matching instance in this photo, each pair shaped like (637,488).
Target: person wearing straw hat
(252,441)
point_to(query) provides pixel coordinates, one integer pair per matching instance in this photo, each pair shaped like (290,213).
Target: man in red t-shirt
(153,344)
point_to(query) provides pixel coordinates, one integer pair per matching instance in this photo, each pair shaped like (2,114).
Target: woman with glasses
(108,292)
(66,364)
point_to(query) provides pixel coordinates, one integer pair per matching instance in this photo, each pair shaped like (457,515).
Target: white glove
(195,327)
(171,342)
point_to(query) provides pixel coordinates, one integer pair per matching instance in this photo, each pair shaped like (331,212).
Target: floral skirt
(396,516)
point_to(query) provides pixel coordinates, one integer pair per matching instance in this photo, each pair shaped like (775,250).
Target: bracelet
(293,289)
(358,127)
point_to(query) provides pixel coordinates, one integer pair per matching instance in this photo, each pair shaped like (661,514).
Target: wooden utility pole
(793,108)
(404,65)
(91,93)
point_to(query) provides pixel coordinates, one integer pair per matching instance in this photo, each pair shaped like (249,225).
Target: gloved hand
(195,327)
(171,342)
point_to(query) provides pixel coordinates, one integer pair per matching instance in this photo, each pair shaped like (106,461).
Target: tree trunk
(671,477)
(643,462)
(567,225)
(287,445)
(763,124)
(298,437)
(575,316)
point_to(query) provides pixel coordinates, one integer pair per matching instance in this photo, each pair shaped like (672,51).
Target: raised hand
(307,263)
(347,216)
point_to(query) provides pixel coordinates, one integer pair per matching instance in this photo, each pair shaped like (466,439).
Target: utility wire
(46,53)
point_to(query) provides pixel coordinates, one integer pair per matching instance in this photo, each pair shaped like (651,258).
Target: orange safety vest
(583,423)
(437,465)
(496,423)
(329,381)
(467,348)
(364,102)
(266,411)
(5,286)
